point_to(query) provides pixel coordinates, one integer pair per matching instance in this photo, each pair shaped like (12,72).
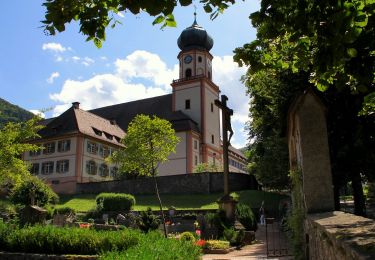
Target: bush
(235,238)
(246,217)
(57,240)
(32,186)
(64,211)
(187,236)
(154,246)
(8,208)
(148,221)
(216,244)
(115,201)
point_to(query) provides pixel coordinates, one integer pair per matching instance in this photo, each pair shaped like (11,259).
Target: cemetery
(158,177)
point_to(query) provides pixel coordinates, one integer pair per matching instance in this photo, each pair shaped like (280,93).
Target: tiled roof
(160,106)
(98,127)
(75,120)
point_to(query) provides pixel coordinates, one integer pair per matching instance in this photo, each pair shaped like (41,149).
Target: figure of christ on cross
(226,113)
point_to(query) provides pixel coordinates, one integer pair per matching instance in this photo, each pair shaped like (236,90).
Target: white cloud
(53,76)
(87,61)
(227,75)
(54,47)
(146,65)
(38,113)
(76,58)
(101,90)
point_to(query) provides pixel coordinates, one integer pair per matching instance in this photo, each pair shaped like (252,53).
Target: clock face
(188,59)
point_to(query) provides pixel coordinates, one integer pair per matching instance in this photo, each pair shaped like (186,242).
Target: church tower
(194,93)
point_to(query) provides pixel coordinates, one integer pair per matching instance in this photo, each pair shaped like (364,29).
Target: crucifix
(226,113)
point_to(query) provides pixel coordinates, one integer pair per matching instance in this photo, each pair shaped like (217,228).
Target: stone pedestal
(228,204)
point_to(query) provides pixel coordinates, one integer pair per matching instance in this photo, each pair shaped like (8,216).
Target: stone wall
(339,236)
(176,184)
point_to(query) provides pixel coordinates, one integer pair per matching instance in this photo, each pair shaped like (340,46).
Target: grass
(254,198)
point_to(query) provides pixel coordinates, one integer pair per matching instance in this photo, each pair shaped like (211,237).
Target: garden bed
(19,256)
(218,251)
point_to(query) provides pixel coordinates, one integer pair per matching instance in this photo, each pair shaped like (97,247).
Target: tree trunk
(161,206)
(359,198)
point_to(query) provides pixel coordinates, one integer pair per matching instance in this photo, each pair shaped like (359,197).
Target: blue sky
(137,60)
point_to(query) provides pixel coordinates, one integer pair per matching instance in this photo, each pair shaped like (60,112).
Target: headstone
(309,151)
(33,215)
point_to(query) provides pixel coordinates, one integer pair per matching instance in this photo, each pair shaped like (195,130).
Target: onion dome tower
(194,94)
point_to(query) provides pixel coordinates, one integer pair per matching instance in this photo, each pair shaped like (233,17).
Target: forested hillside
(12,113)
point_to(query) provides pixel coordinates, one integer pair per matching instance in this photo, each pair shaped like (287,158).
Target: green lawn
(85,202)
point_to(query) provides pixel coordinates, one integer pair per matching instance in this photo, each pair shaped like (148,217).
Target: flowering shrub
(201,243)
(84,225)
(217,244)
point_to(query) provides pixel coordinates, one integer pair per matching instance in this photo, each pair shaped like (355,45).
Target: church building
(77,142)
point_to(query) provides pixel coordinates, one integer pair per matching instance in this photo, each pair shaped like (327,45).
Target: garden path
(249,252)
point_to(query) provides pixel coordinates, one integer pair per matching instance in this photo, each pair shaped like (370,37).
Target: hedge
(126,244)
(154,246)
(115,201)
(57,240)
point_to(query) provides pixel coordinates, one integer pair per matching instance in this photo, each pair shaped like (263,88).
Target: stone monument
(309,151)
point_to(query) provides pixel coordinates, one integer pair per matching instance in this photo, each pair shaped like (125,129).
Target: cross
(195,14)
(226,113)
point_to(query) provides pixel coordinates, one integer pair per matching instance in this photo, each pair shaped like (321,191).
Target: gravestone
(33,215)
(309,151)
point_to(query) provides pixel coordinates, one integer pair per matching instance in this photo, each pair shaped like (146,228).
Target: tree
(95,16)
(270,97)
(33,191)
(147,144)
(208,167)
(334,41)
(13,143)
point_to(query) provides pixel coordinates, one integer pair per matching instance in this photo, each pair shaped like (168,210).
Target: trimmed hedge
(57,240)
(115,201)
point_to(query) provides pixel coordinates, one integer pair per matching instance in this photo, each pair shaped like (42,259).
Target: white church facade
(77,142)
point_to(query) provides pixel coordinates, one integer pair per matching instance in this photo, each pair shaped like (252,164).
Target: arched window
(209,75)
(199,59)
(187,73)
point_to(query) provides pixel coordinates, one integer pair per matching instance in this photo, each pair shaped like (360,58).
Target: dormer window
(97,131)
(109,136)
(187,73)
(187,104)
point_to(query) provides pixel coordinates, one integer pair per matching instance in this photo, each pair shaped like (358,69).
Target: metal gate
(276,240)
